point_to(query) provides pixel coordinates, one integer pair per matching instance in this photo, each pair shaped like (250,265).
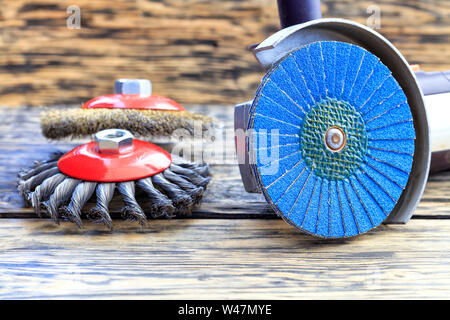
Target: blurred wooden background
(193,50)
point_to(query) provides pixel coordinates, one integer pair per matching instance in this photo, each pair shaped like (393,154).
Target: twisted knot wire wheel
(170,193)
(342,137)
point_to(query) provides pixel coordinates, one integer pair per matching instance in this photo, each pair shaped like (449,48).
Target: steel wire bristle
(195,192)
(201,169)
(25,186)
(44,191)
(61,194)
(41,166)
(181,200)
(160,204)
(132,210)
(81,195)
(100,213)
(191,175)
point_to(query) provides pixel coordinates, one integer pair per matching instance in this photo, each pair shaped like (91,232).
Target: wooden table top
(233,246)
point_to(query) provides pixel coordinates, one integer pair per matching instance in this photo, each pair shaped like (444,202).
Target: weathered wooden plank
(193,51)
(220,259)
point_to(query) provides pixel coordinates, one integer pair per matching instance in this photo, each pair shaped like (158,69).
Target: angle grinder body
(337,136)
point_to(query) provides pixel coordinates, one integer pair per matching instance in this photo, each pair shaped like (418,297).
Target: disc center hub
(335,139)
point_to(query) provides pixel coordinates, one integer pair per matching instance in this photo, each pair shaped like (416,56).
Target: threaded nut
(142,87)
(113,140)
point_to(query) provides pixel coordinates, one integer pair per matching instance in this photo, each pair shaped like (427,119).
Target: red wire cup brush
(62,186)
(132,107)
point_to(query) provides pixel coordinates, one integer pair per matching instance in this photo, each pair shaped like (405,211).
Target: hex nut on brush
(113,140)
(142,87)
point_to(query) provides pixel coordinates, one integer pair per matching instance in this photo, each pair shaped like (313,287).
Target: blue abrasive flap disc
(332,141)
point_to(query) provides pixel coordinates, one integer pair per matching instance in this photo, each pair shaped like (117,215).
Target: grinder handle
(434,82)
(436,90)
(294,12)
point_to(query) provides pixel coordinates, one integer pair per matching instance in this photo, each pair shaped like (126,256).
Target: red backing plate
(133,101)
(86,163)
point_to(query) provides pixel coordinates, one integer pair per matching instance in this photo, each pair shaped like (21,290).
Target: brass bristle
(80,122)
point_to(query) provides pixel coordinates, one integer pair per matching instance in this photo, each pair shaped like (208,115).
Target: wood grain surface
(221,259)
(193,51)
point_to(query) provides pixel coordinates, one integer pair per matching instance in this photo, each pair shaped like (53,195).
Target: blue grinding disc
(320,190)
